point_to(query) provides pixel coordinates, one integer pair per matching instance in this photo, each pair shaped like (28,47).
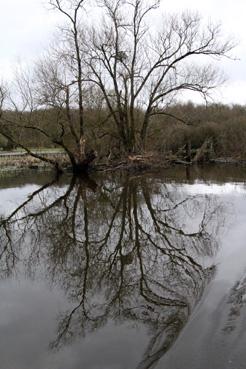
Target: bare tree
(139,71)
(142,69)
(66,76)
(73,33)
(54,84)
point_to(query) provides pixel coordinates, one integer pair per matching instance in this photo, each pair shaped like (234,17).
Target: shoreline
(17,162)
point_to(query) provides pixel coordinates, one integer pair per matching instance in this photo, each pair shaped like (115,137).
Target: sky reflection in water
(107,274)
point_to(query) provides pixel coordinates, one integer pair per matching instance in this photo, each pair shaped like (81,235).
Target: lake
(124,271)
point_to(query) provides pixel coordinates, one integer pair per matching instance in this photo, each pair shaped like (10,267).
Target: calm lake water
(124,271)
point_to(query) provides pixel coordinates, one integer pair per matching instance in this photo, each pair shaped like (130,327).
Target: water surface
(124,271)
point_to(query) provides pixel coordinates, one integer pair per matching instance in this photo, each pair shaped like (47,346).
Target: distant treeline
(224,125)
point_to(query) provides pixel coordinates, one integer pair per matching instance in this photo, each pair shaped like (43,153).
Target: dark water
(124,271)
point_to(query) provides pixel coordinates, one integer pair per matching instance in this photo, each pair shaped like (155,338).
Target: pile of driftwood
(136,162)
(152,160)
(147,157)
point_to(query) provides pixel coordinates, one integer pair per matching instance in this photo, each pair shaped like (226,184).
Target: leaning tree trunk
(202,151)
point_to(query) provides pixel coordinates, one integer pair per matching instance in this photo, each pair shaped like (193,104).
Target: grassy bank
(17,161)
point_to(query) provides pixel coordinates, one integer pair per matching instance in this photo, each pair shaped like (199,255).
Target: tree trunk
(188,151)
(201,153)
(83,158)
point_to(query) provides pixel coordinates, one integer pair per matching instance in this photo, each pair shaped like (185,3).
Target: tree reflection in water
(129,249)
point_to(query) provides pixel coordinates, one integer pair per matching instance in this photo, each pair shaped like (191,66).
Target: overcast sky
(26,26)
